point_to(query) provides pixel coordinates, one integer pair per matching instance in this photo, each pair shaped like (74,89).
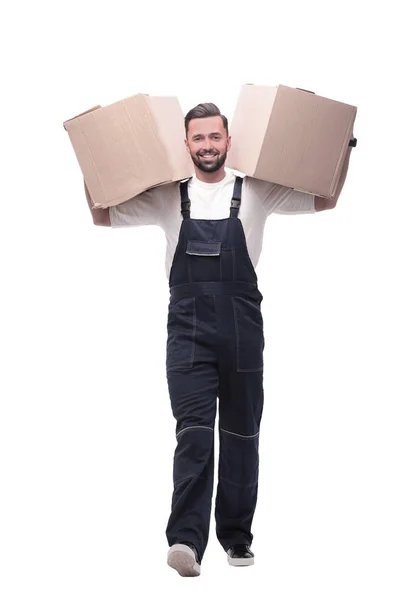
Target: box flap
(80,115)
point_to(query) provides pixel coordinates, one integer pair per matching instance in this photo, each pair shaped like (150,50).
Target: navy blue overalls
(215,349)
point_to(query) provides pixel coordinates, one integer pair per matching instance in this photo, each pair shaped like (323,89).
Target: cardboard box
(130,146)
(290,137)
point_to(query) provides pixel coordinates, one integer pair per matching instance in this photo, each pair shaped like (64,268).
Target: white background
(86,431)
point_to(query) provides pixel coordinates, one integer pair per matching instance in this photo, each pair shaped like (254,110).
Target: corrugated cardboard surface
(304,137)
(130,146)
(249,126)
(171,130)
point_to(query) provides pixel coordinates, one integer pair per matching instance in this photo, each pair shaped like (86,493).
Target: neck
(210,177)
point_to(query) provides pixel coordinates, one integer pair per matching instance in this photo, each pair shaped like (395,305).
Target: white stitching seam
(194,427)
(238,434)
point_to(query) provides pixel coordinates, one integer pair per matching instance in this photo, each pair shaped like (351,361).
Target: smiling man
(214,225)
(207,141)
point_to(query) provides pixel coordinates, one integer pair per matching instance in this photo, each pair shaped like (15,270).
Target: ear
(229,143)
(187,145)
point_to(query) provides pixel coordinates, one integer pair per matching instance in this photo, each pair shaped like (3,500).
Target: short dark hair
(201,111)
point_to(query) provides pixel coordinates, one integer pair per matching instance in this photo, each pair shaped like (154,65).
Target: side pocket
(181,329)
(249,332)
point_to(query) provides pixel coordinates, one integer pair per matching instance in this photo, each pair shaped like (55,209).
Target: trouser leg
(193,396)
(240,409)
(241,398)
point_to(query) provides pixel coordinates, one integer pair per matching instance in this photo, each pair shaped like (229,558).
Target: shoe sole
(183,559)
(240,562)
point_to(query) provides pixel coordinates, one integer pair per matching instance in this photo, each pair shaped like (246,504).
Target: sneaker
(185,559)
(240,555)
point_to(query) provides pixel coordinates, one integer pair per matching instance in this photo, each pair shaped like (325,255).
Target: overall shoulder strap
(237,197)
(185,201)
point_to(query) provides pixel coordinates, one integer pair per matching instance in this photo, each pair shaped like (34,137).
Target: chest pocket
(196,248)
(207,261)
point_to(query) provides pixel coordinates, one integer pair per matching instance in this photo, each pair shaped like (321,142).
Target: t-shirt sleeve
(279,198)
(144,209)
(295,202)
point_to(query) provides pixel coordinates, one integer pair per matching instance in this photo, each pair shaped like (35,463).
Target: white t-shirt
(162,206)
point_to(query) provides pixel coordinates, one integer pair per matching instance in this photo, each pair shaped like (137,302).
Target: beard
(213,162)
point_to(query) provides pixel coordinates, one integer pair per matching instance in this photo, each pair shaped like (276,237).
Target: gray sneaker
(185,559)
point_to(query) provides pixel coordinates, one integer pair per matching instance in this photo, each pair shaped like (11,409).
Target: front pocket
(249,334)
(181,334)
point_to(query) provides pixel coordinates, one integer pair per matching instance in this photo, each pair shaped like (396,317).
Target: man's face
(208,143)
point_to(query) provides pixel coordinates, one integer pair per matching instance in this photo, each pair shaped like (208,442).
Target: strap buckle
(235,203)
